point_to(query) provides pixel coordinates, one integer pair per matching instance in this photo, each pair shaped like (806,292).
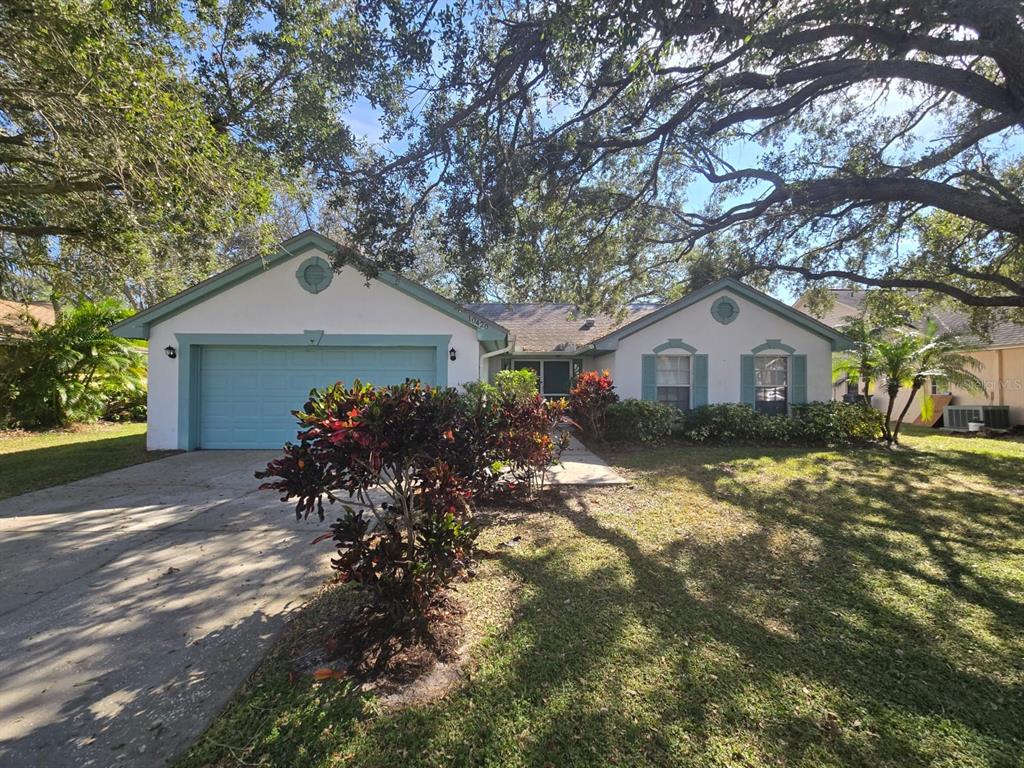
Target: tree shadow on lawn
(823,622)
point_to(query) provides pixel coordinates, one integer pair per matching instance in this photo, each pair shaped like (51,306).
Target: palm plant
(896,365)
(67,372)
(861,363)
(944,356)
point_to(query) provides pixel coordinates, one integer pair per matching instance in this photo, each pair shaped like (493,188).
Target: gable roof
(611,340)
(556,328)
(137,326)
(12,317)
(1003,333)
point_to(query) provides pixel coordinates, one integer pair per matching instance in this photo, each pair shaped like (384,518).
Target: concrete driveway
(132,605)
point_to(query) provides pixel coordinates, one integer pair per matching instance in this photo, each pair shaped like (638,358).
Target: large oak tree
(138,140)
(874,142)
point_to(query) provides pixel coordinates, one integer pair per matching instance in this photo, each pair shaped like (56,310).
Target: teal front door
(247,393)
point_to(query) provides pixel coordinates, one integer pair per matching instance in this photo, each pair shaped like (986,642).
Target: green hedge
(640,421)
(828,423)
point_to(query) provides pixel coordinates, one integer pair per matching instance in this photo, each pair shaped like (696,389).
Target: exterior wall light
(451,354)
(170,351)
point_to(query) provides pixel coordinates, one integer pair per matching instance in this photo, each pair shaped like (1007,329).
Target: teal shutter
(798,390)
(648,377)
(747,391)
(700,381)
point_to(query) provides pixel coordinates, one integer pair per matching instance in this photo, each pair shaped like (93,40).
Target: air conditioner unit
(996,416)
(957,417)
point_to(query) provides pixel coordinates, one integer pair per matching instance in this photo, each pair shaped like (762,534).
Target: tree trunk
(410,524)
(899,422)
(888,417)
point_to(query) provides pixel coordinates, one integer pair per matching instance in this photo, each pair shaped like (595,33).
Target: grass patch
(735,607)
(33,460)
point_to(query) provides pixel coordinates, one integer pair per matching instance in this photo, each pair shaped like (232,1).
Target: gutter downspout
(486,357)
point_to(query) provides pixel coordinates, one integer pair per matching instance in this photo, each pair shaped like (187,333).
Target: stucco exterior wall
(273,302)
(723,344)
(601,363)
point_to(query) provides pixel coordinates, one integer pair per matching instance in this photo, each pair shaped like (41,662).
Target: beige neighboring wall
(1003,373)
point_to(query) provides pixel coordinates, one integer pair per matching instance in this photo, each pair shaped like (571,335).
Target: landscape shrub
(589,400)
(732,423)
(398,439)
(125,405)
(69,372)
(529,440)
(518,385)
(431,452)
(834,423)
(640,421)
(822,423)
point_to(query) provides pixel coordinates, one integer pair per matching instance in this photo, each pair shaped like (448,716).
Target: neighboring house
(231,357)
(13,323)
(1001,357)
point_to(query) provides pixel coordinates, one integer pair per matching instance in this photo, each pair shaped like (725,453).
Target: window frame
(687,388)
(771,406)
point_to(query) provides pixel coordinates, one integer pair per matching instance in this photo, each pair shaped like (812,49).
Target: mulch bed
(368,647)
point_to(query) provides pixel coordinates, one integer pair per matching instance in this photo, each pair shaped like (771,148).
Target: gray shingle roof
(555,327)
(1003,334)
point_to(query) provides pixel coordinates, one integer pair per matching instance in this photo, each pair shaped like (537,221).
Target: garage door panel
(246,394)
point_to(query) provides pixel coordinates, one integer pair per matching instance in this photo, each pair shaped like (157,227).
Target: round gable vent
(314,274)
(725,310)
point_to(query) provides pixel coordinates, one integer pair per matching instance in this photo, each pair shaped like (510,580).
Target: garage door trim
(188,361)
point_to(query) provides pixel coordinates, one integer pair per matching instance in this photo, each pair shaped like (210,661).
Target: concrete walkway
(133,604)
(580,466)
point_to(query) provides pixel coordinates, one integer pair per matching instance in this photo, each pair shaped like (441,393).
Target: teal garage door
(247,394)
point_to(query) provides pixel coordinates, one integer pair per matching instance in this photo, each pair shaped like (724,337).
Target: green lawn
(33,460)
(735,607)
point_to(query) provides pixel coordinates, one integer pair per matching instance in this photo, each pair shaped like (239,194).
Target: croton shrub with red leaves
(589,399)
(429,452)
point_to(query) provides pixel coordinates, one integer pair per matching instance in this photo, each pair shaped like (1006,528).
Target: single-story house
(1001,357)
(231,357)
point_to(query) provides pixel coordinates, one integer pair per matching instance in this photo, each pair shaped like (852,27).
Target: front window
(674,380)
(939,386)
(771,382)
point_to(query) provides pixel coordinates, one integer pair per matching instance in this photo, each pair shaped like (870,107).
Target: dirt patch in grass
(368,646)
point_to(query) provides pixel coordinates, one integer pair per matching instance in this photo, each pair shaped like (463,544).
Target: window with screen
(673,380)
(771,381)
